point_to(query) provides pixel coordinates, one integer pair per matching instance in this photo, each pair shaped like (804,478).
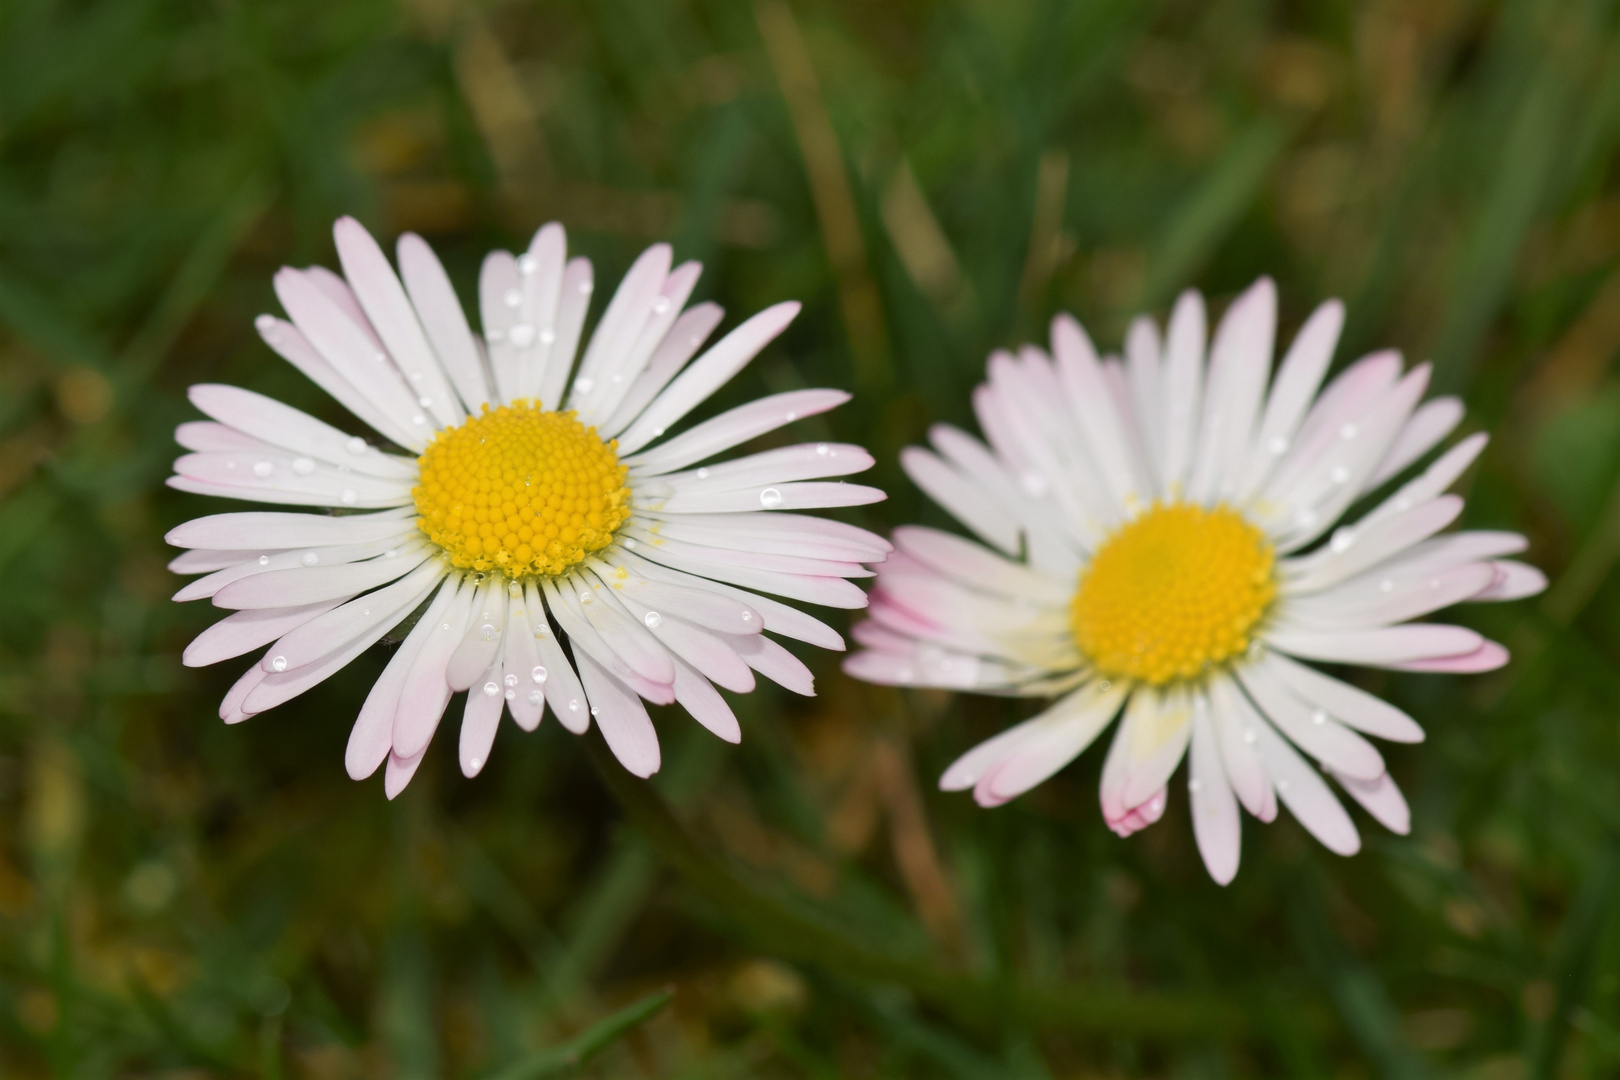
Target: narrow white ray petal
(1353,551)
(1431,482)
(629,638)
(1184,381)
(230,709)
(367,616)
(443,320)
(1488,656)
(1146,378)
(963,499)
(244,631)
(206,436)
(269,529)
(699,605)
(380,293)
(1353,391)
(290,342)
(524,694)
(828,591)
(481,644)
(555,674)
(1298,378)
(1349,704)
(572,304)
(499,283)
(622,719)
(1381,646)
(1158,724)
(1307,796)
(290,560)
(806,461)
(774,662)
(373,733)
(976,566)
(1373,599)
(703,651)
(399,773)
(707,374)
(480,718)
(657,541)
(1050,548)
(1237,731)
(284,477)
(1050,741)
(425,695)
(779,618)
(733,427)
(565,607)
(1380,798)
(613,344)
(1099,425)
(1310,728)
(1214,808)
(1513,581)
(542,270)
(680,344)
(207,560)
(353,355)
(313,584)
(1239,363)
(799,535)
(1430,423)
(295,432)
(616,385)
(704,703)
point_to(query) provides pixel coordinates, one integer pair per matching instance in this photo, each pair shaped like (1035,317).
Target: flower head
(1159,543)
(556,549)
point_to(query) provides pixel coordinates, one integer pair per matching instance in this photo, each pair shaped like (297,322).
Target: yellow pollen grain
(521,491)
(1174,592)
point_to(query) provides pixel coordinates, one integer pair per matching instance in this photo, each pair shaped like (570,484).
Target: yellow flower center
(520,490)
(1172,593)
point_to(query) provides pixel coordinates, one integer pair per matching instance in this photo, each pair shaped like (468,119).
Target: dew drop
(279,663)
(418,419)
(1283,785)
(822,449)
(1342,539)
(1319,717)
(513,298)
(770,498)
(703,474)
(1194,786)
(310,558)
(538,674)
(527,264)
(425,402)
(391,553)
(573,705)
(303,466)
(487,632)
(653,619)
(357,445)
(593,710)
(490,689)
(1386,586)
(660,305)
(521,335)
(511,695)
(630,543)
(1278,446)
(494,335)
(1105,685)
(263,468)
(748,616)
(510,680)
(547,336)
(1033,484)
(1348,432)
(1305,518)
(475,763)
(265,323)
(264,560)
(586,286)
(1340,475)
(1250,735)
(349,498)
(536,698)
(584,386)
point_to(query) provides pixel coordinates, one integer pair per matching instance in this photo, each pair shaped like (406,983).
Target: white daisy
(1157,526)
(558,551)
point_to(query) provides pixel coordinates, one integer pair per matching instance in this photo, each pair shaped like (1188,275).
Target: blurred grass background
(182,900)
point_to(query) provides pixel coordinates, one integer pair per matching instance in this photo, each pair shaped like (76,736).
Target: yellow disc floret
(521,491)
(1172,593)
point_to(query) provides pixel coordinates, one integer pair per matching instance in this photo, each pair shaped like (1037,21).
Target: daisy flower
(1158,542)
(544,542)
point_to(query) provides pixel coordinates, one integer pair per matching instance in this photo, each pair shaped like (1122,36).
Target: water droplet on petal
(310,558)
(1194,786)
(703,474)
(1348,432)
(527,264)
(511,695)
(1319,717)
(1283,785)
(303,466)
(263,468)
(494,335)
(822,449)
(1340,475)
(1386,585)
(584,386)
(586,286)
(660,304)
(770,498)
(418,419)
(1342,539)
(538,674)
(265,323)
(510,680)
(491,689)
(475,763)
(547,336)
(573,705)
(357,445)
(747,616)
(513,298)
(521,335)
(425,402)
(264,560)
(1250,735)
(391,553)
(536,698)
(349,498)
(653,619)
(594,710)
(487,632)
(1278,446)
(1105,685)
(279,663)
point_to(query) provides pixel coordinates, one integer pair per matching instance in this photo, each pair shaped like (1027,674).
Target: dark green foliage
(179,899)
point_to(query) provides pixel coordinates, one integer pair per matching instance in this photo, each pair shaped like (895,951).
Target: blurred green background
(183,900)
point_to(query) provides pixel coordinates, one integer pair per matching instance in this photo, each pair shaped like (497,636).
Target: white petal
(1311,729)
(244,631)
(807,461)
(1048,743)
(547,361)
(1350,704)
(800,535)
(1381,646)
(971,564)
(1099,423)
(498,278)
(1359,549)
(289,341)
(707,374)
(1432,421)
(1184,379)
(1487,657)
(272,422)
(572,303)
(313,584)
(264,529)
(1239,362)
(287,478)
(230,709)
(774,662)
(1307,796)
(425,695)
(587,640)
(733,427)
(399,773)
(287,561)
(379,292)
(679,345)
(1298,378)
(479,720)
(1373,599)
(1156,729)
(443,321)
(1216,825)
(614,340)
(366,618)
(705,704)
(1513,581)
(481,644)
(1382,799)
(373,731)
(779,618)
(961,498)
(831,591)
(520,657)
(557,678)
(629,638)
(622,719)
(1237,730)
(618,385)
(1146,379)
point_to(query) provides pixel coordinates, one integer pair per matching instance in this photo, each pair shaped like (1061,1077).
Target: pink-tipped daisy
(1162,543)
(556,548)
